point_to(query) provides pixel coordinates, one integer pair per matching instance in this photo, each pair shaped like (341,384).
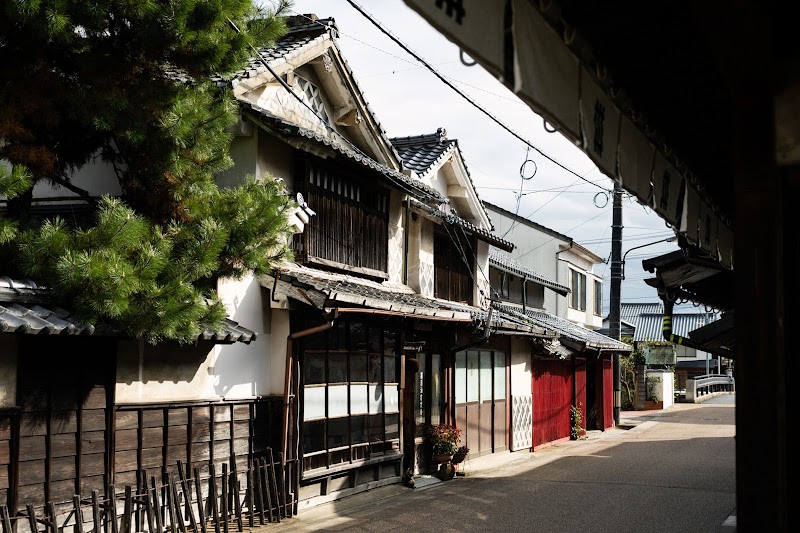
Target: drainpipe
(525,293)
(571,245)
(288,377)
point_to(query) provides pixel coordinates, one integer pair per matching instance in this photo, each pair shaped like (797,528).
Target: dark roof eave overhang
(332,307)
(449,218)
(560,289)
(298,137)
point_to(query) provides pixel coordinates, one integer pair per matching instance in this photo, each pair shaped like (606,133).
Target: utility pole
(616,292)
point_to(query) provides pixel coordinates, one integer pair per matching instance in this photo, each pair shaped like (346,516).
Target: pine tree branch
(83,193)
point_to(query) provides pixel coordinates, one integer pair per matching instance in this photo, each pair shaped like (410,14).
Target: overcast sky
(408,99)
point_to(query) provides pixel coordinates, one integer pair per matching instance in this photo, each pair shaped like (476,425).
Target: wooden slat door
(552,399)
(63,389)
(481,398)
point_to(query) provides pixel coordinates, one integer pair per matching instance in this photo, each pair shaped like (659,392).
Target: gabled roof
(452,218)
(570,334)
(425,154)
(299,137)
(313,42)
(530,223)
(26,308)
(420,153)
(503,261)
(297,40)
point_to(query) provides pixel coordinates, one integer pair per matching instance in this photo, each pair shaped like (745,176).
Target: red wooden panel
(608,393)
(552,399)
(580,386)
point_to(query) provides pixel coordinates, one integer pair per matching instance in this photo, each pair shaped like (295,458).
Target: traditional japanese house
(388,282)
(550,378)
(84,408)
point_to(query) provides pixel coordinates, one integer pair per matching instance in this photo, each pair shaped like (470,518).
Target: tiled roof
(289,129)
(503,261)
(421,152)
(298,40)
(324,289)
(295,41)
(452,218)
(566,330)
(28,309)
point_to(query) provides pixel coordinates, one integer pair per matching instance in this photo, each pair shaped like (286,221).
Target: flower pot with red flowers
(444,440)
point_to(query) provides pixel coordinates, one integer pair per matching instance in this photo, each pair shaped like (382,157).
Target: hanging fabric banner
(690,218)
(600,120)
(708,229)
(478,27)
(725,245)
(668,190)
(546,72)
(635,161)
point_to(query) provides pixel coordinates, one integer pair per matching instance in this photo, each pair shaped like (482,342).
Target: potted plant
(444,440)
(460,454)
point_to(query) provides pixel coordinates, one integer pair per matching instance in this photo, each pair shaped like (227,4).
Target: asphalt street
(659,471)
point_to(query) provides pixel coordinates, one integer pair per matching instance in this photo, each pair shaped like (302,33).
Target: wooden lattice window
(453,261)
(350,228)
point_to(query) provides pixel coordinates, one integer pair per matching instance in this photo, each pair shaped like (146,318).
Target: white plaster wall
(420,255)
(204,371)
(587,317)
(242,370)
(96,177)
(665,390)
(8,370)
(482,294)
(164,373)
(275,158)
(520,367)
(414,248)
(280,329)
(243,151)
(396,242)
(537,250)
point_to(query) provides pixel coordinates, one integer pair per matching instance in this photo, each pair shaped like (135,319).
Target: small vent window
(311,95)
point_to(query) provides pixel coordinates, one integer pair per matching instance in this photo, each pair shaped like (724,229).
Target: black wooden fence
(188,502)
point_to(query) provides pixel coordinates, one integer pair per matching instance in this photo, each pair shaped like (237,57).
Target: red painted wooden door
(580,386)
(608,392)
(552,399)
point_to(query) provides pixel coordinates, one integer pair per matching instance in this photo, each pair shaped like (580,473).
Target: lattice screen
(521,422)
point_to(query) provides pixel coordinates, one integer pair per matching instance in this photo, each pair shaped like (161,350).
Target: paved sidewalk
(328,515)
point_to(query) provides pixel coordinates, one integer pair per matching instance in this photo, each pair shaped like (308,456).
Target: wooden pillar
(764,230)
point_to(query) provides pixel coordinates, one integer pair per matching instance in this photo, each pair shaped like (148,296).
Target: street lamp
(668,239)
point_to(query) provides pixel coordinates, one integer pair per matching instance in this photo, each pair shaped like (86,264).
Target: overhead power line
(465,96)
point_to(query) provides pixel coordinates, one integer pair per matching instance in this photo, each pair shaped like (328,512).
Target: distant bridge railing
(709,384)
